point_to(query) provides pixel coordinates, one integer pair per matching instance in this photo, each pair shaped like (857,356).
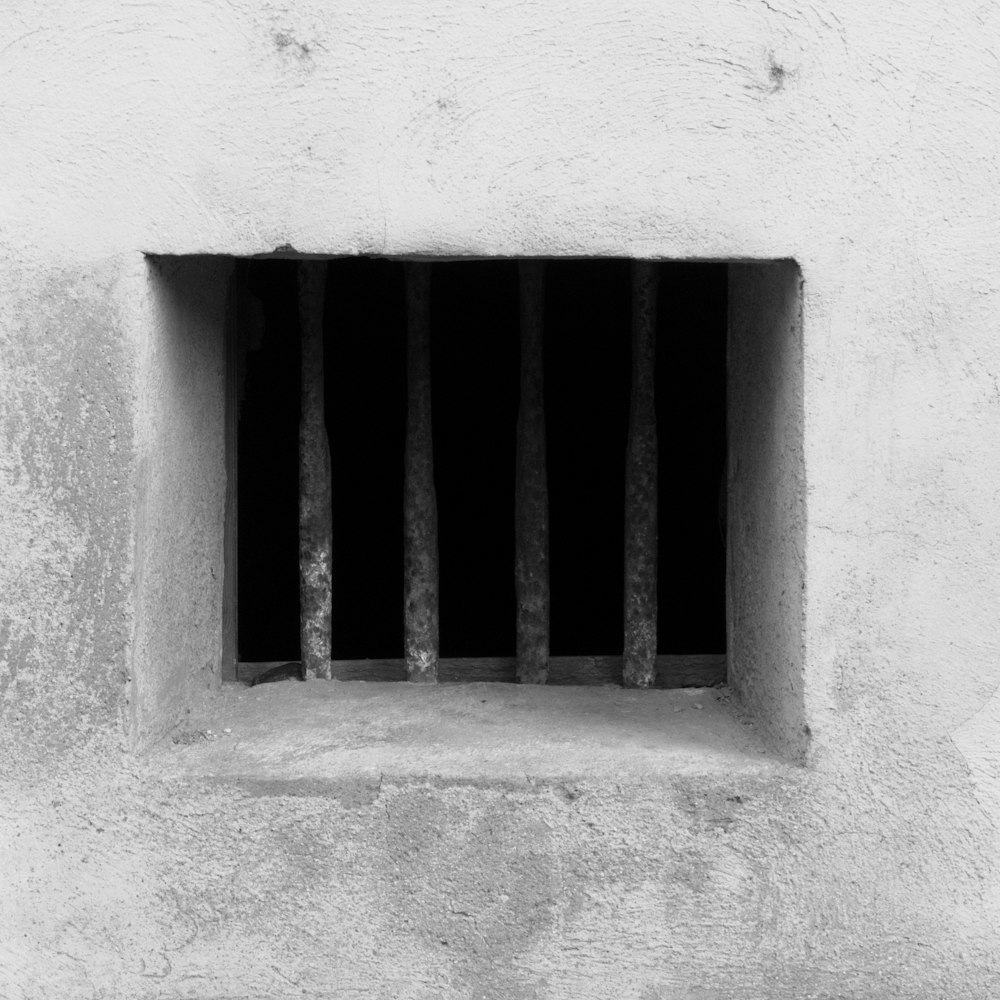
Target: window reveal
(529,573)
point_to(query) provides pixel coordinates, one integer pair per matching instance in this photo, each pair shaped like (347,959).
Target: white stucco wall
(859,140)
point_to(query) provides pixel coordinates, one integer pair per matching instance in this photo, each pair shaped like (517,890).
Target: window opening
(477,312)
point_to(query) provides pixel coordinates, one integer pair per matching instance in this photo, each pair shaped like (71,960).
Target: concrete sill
(316,732)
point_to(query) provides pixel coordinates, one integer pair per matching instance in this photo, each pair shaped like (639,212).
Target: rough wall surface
(181,480)
(766,573)
(859,140)
(388,841)
(66,496)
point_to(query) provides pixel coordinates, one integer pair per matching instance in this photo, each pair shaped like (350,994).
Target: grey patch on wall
(777,73)
(286,43)
(778,76)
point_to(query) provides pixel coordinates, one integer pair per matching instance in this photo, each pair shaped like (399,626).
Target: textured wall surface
(181,482)
(859,140)
(766,496)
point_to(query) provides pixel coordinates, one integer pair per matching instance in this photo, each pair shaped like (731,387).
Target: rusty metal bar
(531,499)
(420,538)
(639,666)
(315,515)
(684,670)
(230,577)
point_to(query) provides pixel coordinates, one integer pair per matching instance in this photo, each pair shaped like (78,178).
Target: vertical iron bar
(641,486)
(420,541)
(531,501)
(315,492)
(230,577)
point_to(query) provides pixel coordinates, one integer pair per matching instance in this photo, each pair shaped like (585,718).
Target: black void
(475,356)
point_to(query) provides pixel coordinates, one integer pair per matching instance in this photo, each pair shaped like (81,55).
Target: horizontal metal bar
(672,671)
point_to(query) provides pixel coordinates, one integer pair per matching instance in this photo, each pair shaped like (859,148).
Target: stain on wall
(66,485)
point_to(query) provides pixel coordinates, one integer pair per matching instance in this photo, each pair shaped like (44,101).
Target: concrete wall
(181,482)
(857,140)
(766,572)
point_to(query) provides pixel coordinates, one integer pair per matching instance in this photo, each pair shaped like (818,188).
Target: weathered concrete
(766,569)
(857,140)
(179,476)
(496,841)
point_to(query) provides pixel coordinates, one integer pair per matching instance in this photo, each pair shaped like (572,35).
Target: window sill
(301,736)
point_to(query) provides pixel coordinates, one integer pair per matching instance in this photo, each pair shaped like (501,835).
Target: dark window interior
(474,317)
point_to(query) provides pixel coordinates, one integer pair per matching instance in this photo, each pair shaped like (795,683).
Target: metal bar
(684,670)
(315,515)
(531,499)
(639,664)
(420,541)
(230,575)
